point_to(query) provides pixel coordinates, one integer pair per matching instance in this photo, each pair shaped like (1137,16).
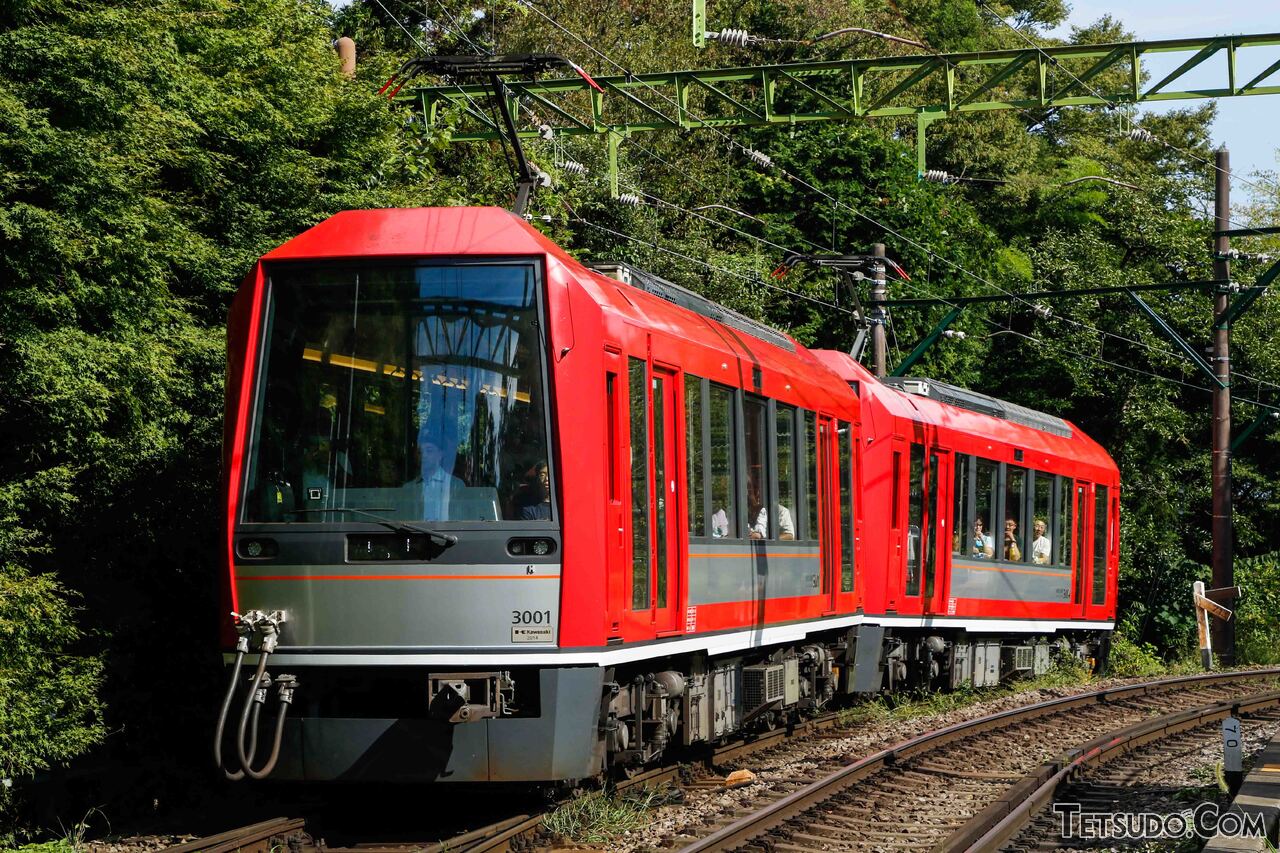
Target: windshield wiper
(445,539)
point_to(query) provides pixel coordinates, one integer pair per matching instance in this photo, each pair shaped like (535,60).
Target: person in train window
(1011,549)
(1040,546)
(760,528)
(720,523)
(534,501)
(983,543)
(439,487)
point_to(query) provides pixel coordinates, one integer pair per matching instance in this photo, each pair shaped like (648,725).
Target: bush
(1134,659)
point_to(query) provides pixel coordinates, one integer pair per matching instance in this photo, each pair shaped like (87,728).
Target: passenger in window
(984,545)
(720,523)
(534,501)
(439,488)
(1040,546)
(1011,549)
(760,528)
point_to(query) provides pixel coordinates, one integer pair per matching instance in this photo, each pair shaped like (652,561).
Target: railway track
(974,785)
(888,800)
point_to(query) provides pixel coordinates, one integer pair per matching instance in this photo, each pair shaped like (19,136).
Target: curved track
(973,785)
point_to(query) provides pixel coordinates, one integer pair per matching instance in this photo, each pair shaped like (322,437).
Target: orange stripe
(1062,574)
(395,577)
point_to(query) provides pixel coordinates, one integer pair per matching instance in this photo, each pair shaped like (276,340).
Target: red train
(506,518)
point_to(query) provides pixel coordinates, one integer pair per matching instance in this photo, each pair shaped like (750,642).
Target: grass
(602,816)
(882,708)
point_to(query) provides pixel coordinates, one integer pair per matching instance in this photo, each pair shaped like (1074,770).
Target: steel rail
(1001,821)
(787,808)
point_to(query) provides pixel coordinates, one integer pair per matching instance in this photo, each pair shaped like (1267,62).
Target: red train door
(666,501)
(828,512)
(1101,536)
(937,546)
(1080,547)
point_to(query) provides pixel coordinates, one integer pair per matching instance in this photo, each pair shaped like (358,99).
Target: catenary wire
(817,190)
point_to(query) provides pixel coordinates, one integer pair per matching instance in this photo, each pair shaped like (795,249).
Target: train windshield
(409,392)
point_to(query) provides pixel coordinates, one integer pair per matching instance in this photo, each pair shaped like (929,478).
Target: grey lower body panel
(558,744)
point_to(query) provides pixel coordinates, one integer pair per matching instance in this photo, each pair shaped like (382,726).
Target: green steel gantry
(928,87)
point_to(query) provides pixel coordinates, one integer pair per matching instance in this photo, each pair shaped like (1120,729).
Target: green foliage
(1256,612)
(49,705)
(1134,659)
(603,816)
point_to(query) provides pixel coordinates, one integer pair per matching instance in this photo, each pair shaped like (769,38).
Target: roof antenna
(491,68)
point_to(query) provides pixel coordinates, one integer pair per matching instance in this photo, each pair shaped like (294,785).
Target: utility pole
(879,345)
(1222,631)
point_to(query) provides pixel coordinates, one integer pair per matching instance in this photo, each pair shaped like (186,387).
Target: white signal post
(1206,607)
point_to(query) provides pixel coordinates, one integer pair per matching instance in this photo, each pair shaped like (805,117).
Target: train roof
(770,361)
(947,407)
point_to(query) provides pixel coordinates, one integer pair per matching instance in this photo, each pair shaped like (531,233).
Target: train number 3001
(530,617)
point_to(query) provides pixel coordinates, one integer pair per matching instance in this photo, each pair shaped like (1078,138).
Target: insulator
(954,334)
(631,199)
(938,176)
(546,131)
(1044,312)
(734,38)
(1139,134)
(758,157)
(573,167)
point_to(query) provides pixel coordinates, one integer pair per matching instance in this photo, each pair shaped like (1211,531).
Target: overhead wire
(1110,105)
(836,202)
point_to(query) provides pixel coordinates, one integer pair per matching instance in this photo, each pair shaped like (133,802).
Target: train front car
(394,537)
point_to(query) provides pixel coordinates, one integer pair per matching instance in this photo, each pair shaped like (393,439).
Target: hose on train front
(255,696)
(242,647)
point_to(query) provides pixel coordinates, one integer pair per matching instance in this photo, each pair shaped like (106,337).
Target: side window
(915,518)
(1014,531)
(847,493)
(1062,529)
(983,532)
(724,512)
(1041,518)
(784,424)
(638,388)
(1101,524)
(961,528)
(811,475)
(611,426)
(694,453)
(755,432)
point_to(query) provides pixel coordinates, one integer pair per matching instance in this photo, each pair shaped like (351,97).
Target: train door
(616,476)
(667,517)
(1100,545)
(897,498)
(652,585)
(917,540)
(937,544)
(1079,547)
(828,512)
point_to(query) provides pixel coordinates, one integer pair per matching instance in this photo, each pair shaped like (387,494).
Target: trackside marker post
(1206,607)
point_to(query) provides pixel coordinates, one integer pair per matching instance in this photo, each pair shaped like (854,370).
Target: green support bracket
(1178,341)
(928,341)
(924,118)
(615,139)
(1242,302)
(1248,232)
(926,86)
(1265,416)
